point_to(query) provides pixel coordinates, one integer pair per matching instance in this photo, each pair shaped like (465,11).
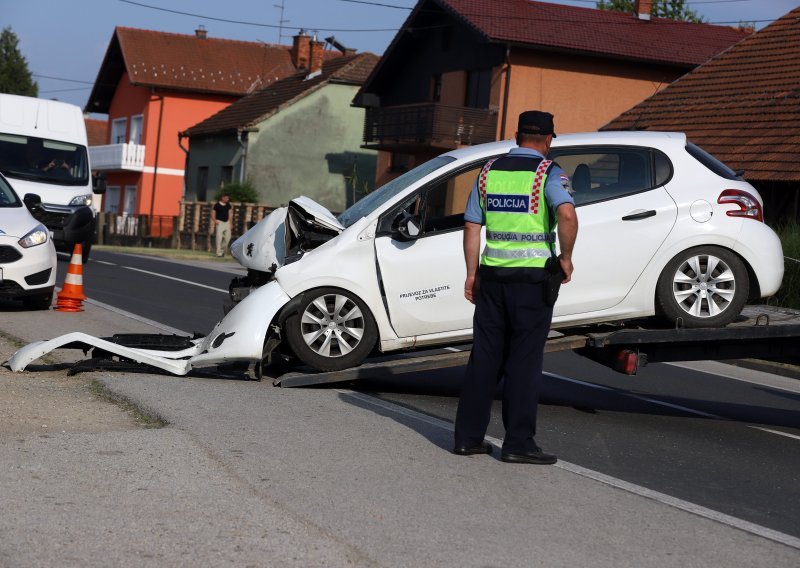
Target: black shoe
(537,457)
(483,448)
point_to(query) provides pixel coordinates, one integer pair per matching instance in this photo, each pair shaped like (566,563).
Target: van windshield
(372,201)
(46,161)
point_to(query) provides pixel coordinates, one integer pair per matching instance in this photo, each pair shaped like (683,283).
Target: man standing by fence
(221,221)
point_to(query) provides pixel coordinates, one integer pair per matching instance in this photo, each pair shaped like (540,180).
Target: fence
(191,229)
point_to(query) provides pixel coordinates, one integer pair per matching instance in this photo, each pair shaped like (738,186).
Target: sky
(64,41)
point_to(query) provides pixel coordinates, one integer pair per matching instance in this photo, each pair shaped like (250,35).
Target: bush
(244,192)
(789,294)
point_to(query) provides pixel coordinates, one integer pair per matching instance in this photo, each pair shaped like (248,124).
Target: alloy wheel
(704,286)
(332,325)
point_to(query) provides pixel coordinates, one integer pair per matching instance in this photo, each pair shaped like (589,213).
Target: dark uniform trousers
(510,327)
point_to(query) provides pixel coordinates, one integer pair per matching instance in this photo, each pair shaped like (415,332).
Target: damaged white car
(665,228)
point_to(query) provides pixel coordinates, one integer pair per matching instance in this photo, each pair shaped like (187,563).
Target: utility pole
(281,21)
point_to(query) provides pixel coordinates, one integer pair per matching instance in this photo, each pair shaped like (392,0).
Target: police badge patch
(565,184)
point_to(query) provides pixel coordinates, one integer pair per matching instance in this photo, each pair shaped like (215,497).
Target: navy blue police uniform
(510,326)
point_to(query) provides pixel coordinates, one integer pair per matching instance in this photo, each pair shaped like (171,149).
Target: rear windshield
(711,162)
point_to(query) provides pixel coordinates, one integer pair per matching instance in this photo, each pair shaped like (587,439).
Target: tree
(244,192)
(15,77)
(672,9)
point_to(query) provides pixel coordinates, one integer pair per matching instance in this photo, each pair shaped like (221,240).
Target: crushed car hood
(285,235)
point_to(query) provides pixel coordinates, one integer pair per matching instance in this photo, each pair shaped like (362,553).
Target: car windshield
(7,196)
(373,200)
(47,161)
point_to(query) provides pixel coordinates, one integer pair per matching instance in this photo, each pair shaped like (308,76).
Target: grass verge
(789,294)
(142,418)
(181,254)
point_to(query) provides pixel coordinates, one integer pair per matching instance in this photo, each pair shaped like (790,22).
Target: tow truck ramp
(763,332)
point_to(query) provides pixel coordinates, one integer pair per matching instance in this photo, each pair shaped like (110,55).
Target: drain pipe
(155,164)
(243,145)
(505,94)
(181,136)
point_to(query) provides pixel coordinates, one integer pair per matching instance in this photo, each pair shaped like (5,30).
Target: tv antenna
(281,21)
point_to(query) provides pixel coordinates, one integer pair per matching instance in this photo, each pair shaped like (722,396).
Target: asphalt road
(730,445)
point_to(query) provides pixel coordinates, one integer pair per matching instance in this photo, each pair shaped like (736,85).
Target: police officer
(519,197)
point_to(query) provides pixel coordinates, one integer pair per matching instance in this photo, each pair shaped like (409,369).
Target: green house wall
(310,148)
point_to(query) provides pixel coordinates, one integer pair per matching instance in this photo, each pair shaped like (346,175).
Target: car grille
(10,288)
(39,277)
(9,254)
(51,219)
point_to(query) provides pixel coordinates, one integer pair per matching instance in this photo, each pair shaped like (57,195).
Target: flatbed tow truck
(760,332)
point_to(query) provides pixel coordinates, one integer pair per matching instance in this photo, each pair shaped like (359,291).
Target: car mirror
(32,201)
(409,227)
(99,183)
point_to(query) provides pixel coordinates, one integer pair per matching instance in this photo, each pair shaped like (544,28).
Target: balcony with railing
(117,157)
(428,125)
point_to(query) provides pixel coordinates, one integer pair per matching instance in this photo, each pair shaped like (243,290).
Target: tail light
(748,205)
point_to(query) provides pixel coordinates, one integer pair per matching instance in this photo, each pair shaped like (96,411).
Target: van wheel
(331,330)
(705,286)
(86,248)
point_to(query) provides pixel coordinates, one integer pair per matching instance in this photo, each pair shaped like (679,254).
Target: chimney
(201,32)
(336,45)
(641,9)
(301,50)
(317,56)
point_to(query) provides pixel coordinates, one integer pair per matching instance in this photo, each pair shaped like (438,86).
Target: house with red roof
(459,72)
(298,136)
(154,85)
(742,106)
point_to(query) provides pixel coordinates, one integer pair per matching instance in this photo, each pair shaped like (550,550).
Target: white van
(43,151)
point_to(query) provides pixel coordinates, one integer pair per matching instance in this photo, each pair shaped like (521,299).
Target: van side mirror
(99,183)
(32,201)
(409,227)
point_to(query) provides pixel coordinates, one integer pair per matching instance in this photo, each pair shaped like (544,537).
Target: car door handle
(640,215)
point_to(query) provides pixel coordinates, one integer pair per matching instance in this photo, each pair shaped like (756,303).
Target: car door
(625,215)
(423,278)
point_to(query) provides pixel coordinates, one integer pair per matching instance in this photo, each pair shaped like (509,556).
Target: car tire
(704,286)
(38,302)
(331,329)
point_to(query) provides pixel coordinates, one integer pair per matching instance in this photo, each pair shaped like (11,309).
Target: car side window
(444,202)
(599,174)
(439,206)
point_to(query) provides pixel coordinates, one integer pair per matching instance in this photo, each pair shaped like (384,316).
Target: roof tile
(595,31)
(254,108)
(743,106)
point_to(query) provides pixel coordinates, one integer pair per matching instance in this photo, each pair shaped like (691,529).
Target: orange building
(154,85)
(459,72)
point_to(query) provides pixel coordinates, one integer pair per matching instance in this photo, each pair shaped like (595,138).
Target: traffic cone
(70,298)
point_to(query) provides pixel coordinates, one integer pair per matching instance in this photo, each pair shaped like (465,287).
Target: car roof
(621,137)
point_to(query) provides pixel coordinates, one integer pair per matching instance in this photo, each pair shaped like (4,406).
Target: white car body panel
(15,223)
(238,337)
(424,288)
(414,289)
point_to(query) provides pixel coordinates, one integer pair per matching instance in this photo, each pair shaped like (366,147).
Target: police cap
(536,122)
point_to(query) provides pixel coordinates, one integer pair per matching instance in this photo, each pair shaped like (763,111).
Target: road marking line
(637,397)
(657,496)
(667,404)
(136,317)
(778,432)
(742,374)
(105,262)
(176,279)
(454,349)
